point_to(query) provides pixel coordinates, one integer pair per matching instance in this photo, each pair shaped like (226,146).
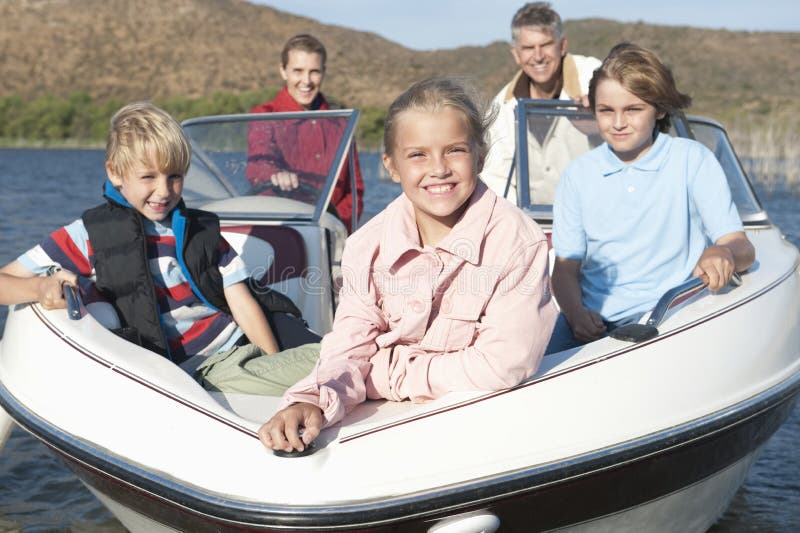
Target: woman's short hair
(306,43)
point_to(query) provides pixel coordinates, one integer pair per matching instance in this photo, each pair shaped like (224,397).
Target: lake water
(41,190)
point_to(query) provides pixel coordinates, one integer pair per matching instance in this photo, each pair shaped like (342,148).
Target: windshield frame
(681,127)
(345,148)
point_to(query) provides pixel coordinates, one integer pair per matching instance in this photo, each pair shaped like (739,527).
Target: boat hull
(697,468)
(609,436)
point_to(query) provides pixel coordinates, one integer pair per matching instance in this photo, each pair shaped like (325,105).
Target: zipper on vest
(154,299)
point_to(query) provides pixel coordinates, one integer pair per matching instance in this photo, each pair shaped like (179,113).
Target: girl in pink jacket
(446,289)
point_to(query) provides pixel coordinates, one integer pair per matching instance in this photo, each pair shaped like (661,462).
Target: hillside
(152,49)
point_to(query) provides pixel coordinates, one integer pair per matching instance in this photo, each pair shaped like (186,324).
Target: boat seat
(253,407)
(284,271)
(551,261)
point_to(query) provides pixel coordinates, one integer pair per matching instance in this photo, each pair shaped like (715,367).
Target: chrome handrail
(688,286)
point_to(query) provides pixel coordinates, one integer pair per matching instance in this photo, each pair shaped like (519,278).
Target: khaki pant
(248,370)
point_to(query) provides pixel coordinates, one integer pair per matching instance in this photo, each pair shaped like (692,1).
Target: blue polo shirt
(640,228)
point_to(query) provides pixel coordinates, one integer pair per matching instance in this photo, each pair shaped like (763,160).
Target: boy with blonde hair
(178,288)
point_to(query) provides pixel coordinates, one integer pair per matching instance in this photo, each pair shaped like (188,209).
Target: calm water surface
(41,190)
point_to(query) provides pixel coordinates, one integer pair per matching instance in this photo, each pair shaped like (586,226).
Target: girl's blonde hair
(141,129)
(641,73)
(434,94)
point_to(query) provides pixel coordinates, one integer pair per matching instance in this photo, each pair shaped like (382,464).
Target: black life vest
(119,245)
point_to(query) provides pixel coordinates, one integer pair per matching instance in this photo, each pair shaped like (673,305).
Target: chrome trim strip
(333,173)
(247,117)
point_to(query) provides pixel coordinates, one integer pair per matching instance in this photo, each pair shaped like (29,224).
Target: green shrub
(80,120)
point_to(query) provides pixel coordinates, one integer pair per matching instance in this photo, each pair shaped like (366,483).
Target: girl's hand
(587,325)
(715,267)
(50,293)
(282,431)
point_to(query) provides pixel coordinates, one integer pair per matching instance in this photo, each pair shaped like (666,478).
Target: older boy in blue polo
(641,213)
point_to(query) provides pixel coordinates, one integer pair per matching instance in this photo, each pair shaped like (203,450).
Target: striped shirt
(191,327)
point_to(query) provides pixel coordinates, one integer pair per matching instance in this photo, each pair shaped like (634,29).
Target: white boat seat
(276,258)
(257,244)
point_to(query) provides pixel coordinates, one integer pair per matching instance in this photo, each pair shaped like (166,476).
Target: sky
(436,24)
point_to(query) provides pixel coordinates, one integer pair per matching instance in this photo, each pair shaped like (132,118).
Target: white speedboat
(656,432)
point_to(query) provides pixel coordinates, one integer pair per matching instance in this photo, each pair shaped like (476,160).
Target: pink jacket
(415,323)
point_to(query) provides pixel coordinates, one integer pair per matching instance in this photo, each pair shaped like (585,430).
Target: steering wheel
(266,186)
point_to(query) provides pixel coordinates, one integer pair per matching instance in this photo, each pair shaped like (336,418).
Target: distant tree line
(79,119)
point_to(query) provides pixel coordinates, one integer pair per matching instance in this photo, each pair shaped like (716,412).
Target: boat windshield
(242,163)
(554,132)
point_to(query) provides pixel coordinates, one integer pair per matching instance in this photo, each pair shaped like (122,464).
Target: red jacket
(301,146)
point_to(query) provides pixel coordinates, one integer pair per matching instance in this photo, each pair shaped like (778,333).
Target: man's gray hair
(537,15)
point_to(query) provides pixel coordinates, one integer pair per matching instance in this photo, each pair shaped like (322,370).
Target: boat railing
(73,300)
(642,332)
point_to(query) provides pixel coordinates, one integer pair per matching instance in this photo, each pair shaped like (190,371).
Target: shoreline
(774,173)
(75,144)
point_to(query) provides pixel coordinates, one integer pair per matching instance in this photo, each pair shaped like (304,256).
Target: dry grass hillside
(726,72)
(154,49)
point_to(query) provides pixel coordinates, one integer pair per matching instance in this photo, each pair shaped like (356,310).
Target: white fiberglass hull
(6,425)
(612,434)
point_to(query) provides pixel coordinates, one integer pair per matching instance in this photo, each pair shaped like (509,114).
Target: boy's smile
(148,189)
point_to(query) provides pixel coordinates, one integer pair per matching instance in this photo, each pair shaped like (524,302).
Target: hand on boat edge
(586,325)
(50,290)
(715,267)
(292,428)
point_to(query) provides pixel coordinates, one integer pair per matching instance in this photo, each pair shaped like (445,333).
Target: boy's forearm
(259,333)
(255,326)
(18,290)
(744,254)
(249,316)
(18,285)
(567,290)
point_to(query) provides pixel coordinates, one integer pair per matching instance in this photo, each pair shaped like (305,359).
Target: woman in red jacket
(286,153)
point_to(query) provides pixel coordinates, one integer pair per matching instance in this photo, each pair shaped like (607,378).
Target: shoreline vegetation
(78,121)
(768,144)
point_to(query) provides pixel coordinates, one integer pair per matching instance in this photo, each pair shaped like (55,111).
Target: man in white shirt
(547,71)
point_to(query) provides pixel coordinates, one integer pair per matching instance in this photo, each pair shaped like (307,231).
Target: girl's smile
(440,189)
(434,163)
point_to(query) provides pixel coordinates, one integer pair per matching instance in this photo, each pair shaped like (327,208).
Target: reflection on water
(43,189)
